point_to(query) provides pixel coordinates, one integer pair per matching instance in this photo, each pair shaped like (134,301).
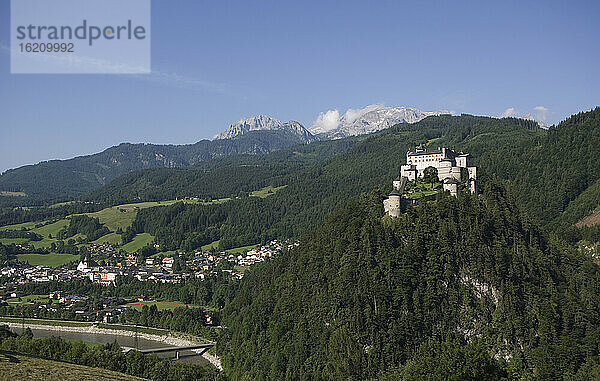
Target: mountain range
(56,179)
(266,123)
(366,120)
(261,134)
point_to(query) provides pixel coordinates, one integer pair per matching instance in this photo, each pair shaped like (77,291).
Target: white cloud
(326,122)
(541,113)
(509,112)
(352,114)
(331,119)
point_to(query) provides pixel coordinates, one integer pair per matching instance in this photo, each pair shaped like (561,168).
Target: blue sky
(214,63)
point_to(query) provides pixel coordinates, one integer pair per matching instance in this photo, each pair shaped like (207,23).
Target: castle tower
(392,204)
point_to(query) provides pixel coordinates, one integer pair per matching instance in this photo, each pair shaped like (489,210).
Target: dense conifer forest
(365,296)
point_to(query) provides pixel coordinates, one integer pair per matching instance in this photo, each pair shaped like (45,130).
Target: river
(124,340)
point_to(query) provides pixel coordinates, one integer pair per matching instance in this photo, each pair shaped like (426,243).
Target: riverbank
(166,339)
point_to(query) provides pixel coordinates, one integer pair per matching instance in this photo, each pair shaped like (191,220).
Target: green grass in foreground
(15,366)
(50,260)
(138,242)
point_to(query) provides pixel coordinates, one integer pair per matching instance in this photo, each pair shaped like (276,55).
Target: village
(164,269)
(161,269)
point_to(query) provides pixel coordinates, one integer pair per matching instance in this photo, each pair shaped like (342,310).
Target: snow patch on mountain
(365,120)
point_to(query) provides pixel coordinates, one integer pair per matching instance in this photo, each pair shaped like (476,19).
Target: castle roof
(399,178)
(425,152)
(395,192)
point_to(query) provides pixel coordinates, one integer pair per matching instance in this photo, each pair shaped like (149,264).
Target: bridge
(203,347)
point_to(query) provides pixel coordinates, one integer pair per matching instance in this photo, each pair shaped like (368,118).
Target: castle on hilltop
(454,170)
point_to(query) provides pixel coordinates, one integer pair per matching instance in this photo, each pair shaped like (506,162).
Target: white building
(453,170)
(447,162)
(87,265)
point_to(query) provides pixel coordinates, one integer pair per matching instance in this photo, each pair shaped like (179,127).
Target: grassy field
(14,366)
(242,249)
(45,242)
(160,305)
(138,242)
(112,238)
(164,254)
(10,241)
(53,228)
(115,217)
(30,299)
(62,204)
(121,216)
(26,225)
(432,141)
(215,245)
(240,269)
(266,191)
(211,246)
(50,260)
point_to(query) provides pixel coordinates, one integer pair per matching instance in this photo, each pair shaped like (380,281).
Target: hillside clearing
(50,260)
(138,242)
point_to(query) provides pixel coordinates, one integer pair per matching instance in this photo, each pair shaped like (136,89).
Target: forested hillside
(545,171)
(465,286)
(550,172)
(74,177)
(318,189)
(219,177)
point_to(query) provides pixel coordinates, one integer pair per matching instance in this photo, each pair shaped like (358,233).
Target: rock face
(266,123)
(367,120)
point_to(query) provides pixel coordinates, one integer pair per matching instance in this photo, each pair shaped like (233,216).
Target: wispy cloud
(185,82)
(158,76)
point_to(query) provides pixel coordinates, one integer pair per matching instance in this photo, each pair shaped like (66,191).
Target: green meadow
(50,260)
(242,249)
(138,242)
